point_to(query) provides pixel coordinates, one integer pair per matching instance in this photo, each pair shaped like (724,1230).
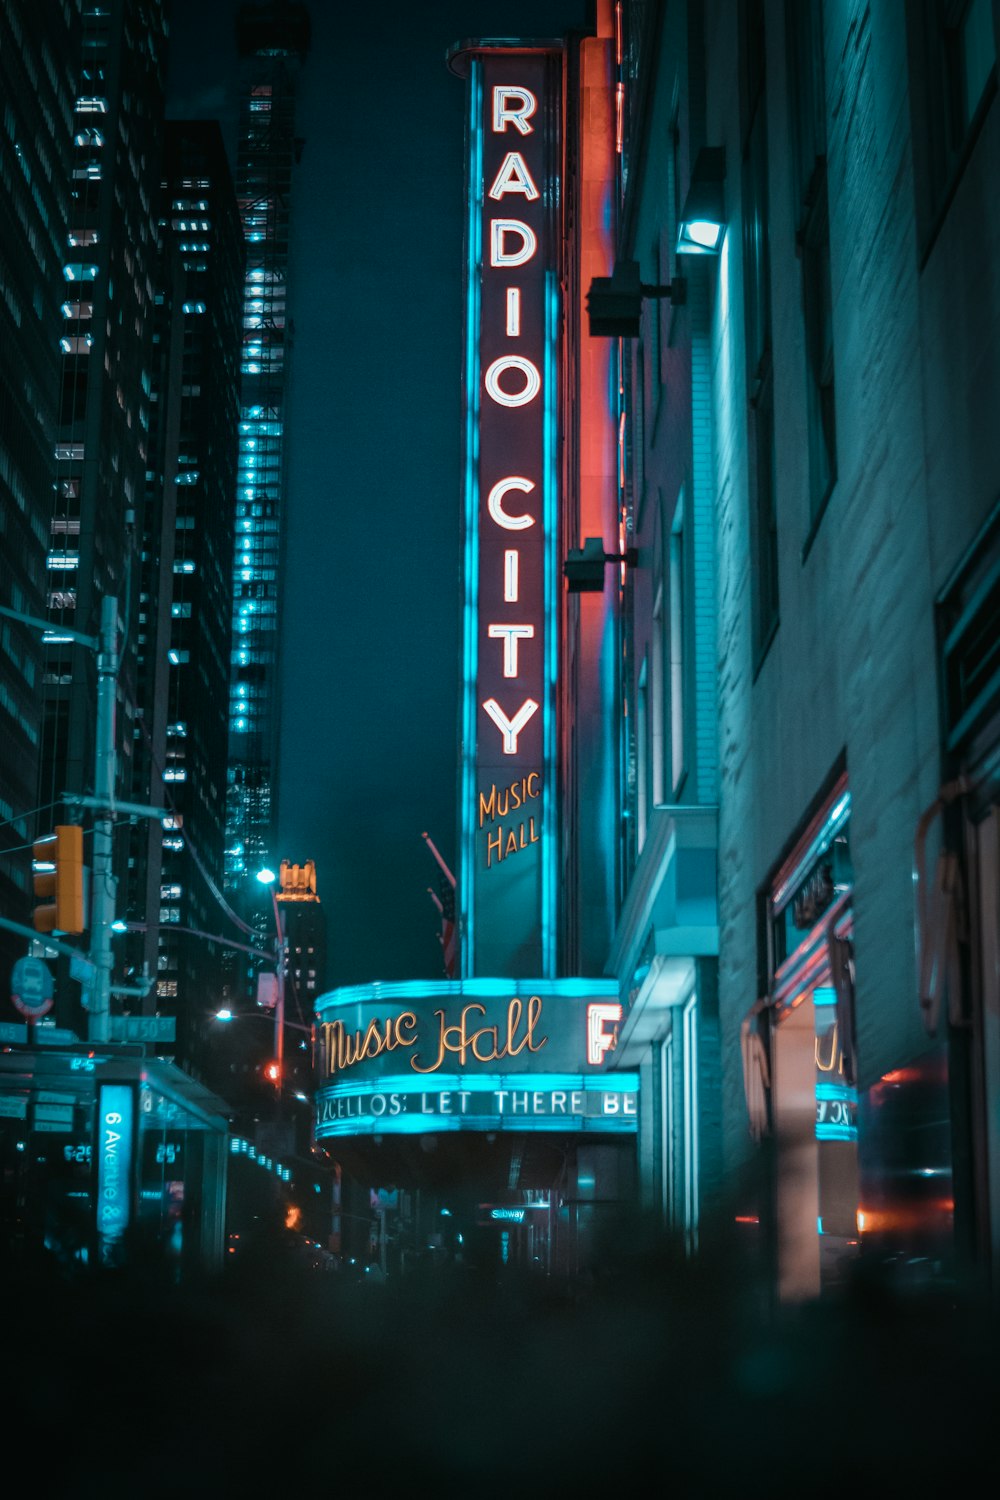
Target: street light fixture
(614,303)
(584,566)
(225,1015)
(703,220)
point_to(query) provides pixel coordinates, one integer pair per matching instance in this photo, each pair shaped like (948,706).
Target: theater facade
(497,1096)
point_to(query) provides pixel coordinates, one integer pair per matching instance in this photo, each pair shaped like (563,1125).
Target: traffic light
(58,875)
(272,1072)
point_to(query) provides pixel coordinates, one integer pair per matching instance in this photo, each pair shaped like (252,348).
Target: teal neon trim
(486,1083)
(837,1091)
(470,654)
(471,989)
(550,512)
(438,1124)
(838,816)
(836,1132)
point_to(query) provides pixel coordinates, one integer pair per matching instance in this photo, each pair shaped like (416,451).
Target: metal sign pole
(104,885)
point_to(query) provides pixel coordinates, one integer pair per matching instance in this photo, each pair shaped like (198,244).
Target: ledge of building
(669,982)
(670,906)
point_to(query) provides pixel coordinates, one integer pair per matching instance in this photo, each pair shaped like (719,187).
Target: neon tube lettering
(510,728)
(518,116)
(510,635)
(510,577)
(513,312)
(600,1040)
(486,1043)
(513,177)
(495,503)
(499,803)
(532,380)
(499,254)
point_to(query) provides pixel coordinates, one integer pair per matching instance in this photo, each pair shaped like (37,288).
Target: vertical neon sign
(115,1128)
(511,512)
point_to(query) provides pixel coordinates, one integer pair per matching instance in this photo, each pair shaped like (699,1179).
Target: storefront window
(815,1101)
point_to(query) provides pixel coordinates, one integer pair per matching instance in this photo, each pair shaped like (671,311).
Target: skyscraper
(185,597)
(38,51)
(102,445)
(273,40)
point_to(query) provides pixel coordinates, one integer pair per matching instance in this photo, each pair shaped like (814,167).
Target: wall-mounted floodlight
(703,221)
(584,566)
(614,303)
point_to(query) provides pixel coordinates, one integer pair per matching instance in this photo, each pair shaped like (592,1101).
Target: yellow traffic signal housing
(58,880)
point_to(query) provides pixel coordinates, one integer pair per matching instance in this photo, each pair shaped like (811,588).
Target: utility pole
(279,1008)
(104,886)
(268,878)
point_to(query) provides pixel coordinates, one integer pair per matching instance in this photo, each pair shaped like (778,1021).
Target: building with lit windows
(38,58)
(185,602)
(304,934)
(304,926)
(96,1148)
(273,41)
(102,445)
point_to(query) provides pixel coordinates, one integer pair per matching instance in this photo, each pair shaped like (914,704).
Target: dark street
(456,1381)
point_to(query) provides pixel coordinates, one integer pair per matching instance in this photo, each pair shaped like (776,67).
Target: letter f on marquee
(510,728)
(599,1039)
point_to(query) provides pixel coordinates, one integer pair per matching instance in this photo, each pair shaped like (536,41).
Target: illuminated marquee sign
(511,511)
(563,1102)
(470,1055)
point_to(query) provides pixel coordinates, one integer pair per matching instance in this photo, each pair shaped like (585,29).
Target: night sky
(371,602)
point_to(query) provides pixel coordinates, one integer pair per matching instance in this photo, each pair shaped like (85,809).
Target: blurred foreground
(277,1378)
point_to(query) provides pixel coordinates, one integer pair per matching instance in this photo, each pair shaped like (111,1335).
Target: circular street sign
(32,987)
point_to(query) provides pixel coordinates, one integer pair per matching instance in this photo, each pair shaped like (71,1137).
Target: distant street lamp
(226,1015)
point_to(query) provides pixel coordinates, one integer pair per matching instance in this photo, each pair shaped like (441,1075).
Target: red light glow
(901,1075)
(905,1217)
